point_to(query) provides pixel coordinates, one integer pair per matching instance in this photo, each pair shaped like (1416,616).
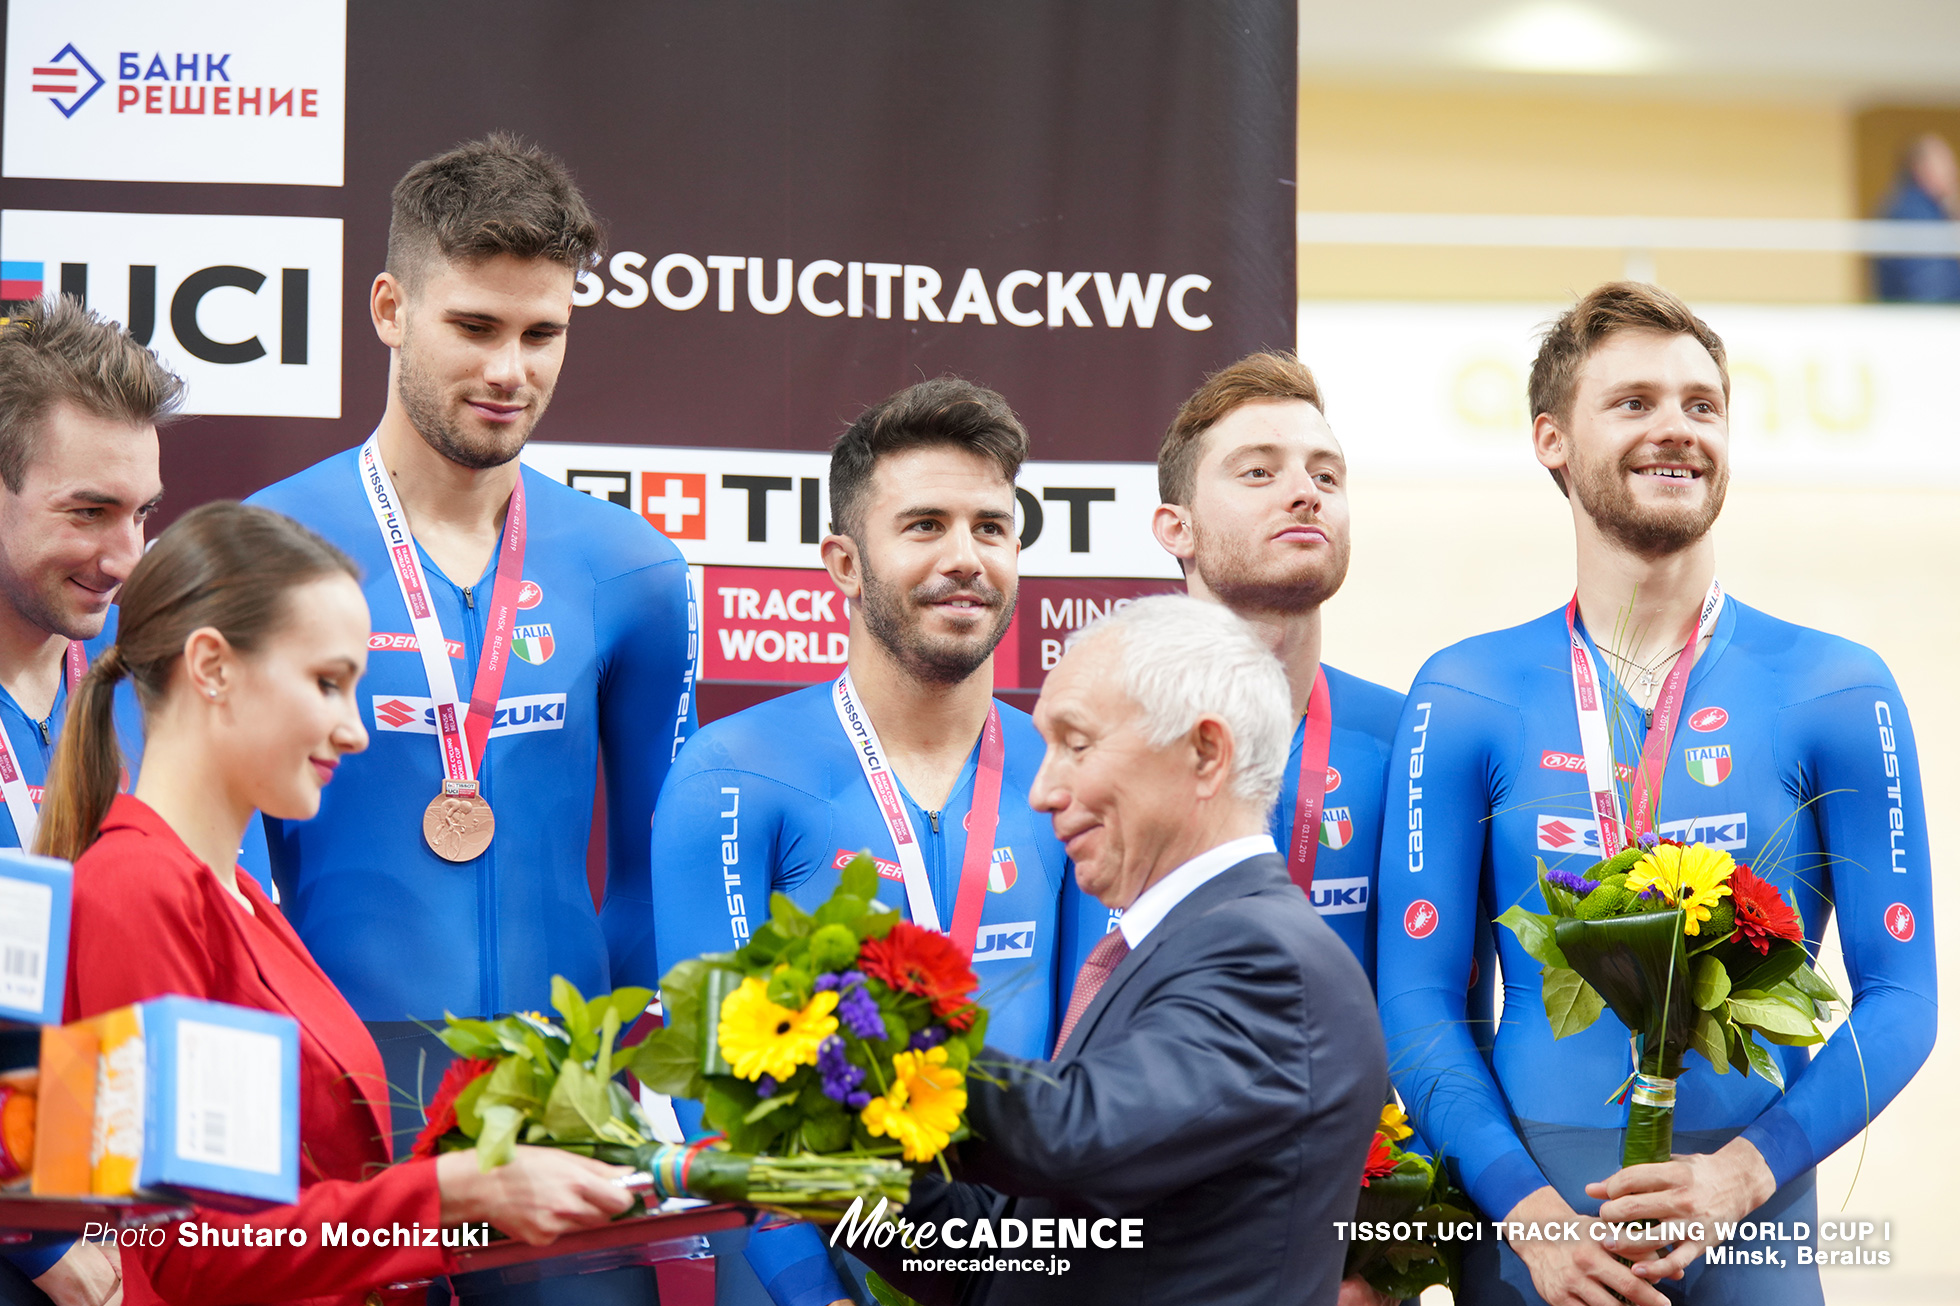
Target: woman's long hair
(223,565)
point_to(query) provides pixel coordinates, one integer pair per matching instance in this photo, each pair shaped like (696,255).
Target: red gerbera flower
(1381,1159)
(926,963)
(441,1113)
(1761,914)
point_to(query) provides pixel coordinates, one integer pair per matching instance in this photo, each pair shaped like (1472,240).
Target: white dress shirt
(1156,902)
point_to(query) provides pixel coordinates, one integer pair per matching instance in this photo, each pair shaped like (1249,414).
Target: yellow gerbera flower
(760,1038)
(1692,877)
(1394,1123)
(922,1108)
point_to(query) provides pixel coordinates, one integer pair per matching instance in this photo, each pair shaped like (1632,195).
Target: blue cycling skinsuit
(1797,757)
(1364,716)
(604,648)
(773,800)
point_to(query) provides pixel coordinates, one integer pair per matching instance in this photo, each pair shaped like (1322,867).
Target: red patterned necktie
(1104,958)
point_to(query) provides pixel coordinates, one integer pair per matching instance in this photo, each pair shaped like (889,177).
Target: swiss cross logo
(1708,719)
(1555,834)
(1419,921)
(1898,922)
(676,503)
(395,712)
(68,80)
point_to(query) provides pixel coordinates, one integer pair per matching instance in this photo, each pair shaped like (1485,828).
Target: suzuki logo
(395,712)
(1556,833)
(1340,897)
(1004,942)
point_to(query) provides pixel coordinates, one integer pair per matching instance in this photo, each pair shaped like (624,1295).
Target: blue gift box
(36,895)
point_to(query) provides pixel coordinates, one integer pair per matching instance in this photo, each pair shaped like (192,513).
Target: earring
(211,694)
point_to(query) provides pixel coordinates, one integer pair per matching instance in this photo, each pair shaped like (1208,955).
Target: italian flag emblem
(1336,828)
(533,644)
(1709,765)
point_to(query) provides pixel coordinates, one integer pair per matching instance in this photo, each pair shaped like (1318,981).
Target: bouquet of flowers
(1406,1192)
(842,1037)
(1692,952)
(526,1079)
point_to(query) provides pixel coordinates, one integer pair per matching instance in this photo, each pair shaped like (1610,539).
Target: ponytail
(87,764)
(223,565)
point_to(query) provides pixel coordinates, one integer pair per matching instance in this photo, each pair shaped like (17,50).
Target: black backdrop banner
(838,197)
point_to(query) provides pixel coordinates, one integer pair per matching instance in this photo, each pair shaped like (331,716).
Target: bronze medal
(458,824)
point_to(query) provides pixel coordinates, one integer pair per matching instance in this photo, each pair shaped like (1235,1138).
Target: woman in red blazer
(245,634)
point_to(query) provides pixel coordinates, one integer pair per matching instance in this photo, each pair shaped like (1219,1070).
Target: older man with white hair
(1205,1121)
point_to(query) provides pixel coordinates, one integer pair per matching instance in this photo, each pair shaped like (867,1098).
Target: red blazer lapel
(290,972)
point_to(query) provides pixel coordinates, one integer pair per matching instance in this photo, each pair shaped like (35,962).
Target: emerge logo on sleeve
(407,715)
(1005,942)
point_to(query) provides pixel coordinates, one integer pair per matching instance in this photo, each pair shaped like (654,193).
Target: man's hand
(1715,1186)
(88,1274)
(1357,1291)
(543,1192)
(1581,1273)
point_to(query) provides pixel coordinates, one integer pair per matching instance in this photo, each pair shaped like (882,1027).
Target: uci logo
(1003,942)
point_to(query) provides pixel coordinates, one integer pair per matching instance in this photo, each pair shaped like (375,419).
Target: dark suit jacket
(1224,1086)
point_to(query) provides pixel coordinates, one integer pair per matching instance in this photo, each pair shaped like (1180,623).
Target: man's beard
(45,611)
(893,618)
(433,418)
(1232,572)
(1602,489)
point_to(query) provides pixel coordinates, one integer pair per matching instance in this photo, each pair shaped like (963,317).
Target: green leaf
(470,1039)
(842,909)
(1563,902)
(1639,966)
(1808,982)
(1711,987)
(1738,1044)
(1772,1017)
(1711,1040)
(569,1003)
(860,878)
(786,916)
(877,924)
(668,1061)
(827,1132)
(579,1105)
(468,1118)
(720,984)
(884,1294)
(514,1083)
(768,1106)
(1784,960)
(1571,1004)
(1763,1062)
(496,1144)
(1535,935)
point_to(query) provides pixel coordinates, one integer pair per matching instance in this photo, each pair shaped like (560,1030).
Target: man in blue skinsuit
(907,754)
(1794,754)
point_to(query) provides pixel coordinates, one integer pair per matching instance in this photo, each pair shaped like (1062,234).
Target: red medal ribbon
(1314,742)
(983,819)
(494,661)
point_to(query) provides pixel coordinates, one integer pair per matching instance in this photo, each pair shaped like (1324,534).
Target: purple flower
(928,1038)
(859,1012)
(765,1086)
(858,1101)
(839,979)
(836,1075)
(1571,882)
(1648,840)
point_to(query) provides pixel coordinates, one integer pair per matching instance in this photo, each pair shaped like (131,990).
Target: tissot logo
(515,716)
(68,80)
(1004,942)
(245,309)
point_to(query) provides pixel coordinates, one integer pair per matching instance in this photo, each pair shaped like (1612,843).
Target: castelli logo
(1333,779)
(1898,922)
(1419,921)
(1709,718)
(529,595)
